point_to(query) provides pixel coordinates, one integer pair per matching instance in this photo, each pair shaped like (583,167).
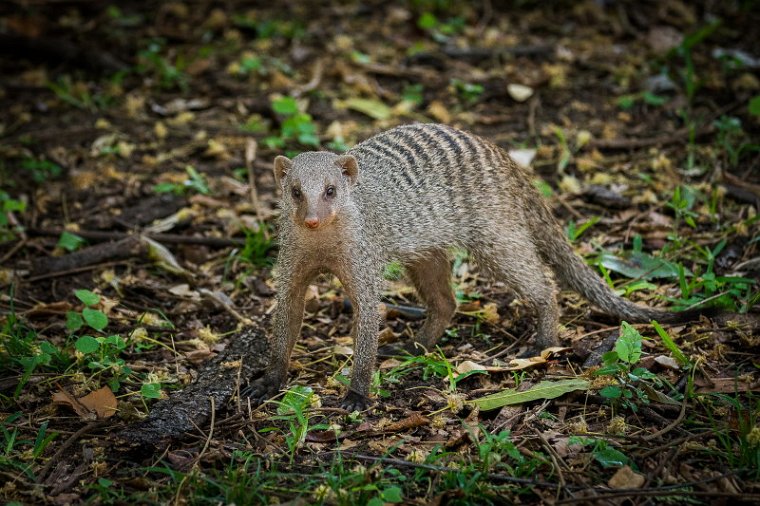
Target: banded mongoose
(410,194)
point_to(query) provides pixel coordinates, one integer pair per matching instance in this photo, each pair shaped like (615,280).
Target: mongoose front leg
(286,326)
(365,294)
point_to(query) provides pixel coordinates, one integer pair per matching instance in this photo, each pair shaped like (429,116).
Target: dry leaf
(102,401)
(513,365)
(519,92)
(523,157)
(667,362)
(517,364)
(63,398)
(389,364)
(347,444)
(726,385)
(345,351)
(625,477)
(410,422)
(97,405)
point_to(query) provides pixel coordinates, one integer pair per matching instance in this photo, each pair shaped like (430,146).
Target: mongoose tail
(572,271)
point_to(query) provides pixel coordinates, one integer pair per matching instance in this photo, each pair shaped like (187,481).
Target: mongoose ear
(349,166)
(282,165)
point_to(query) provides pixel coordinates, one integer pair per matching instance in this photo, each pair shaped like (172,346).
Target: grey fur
(410,194)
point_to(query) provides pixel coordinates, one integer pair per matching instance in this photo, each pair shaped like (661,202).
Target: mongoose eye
(330,191)
(296,193)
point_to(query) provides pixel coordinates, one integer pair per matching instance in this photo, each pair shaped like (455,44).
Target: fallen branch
(56,50)
(119,250)
(98,235)
(245,357)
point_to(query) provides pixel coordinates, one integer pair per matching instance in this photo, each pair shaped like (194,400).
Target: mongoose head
(315,185)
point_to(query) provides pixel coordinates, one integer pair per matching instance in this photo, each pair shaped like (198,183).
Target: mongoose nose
(311,222)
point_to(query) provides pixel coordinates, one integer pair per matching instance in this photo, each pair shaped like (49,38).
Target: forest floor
(134,249)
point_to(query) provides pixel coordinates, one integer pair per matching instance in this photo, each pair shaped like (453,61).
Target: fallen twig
(70,441)
(681,135)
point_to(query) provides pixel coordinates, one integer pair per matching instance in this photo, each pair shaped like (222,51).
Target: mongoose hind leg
(431,277)
(513,260)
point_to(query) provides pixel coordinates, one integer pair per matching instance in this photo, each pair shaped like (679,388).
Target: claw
(398,350)
(261,390)
(354,401)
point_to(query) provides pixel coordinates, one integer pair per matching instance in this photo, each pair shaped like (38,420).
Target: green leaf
(543,187)
(611,392)
(296,399)
(168,188)
(87,345)
(48,349)
(427,21)
(151,390)
(668,342)
(74,321)
(392,494)
(285,106)
(754,106)
(116,341)
(95,318)
(89,298)
(413,93)
(611,369)
(543,390)
(652,99)
(373,108)
(628,345)
(610,457)
(625,102)
(9,204)
(639,285)
(69,241)
(637,264)
(692,39)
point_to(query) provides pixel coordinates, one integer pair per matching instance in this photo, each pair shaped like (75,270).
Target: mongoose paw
(533,350)
(354,401)
(262,389)
(395,350)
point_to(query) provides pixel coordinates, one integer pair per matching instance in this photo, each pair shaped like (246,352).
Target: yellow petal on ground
(570,184)
(491,313)
(217,149)
(582,138)
(134,104)
(160,130)
(125,148)
(207,335)
(438,111)
(181,119)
